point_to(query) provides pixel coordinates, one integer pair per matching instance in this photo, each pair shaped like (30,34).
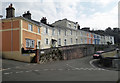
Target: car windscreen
(97,53)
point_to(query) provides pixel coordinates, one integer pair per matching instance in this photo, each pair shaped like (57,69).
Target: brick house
(17,33)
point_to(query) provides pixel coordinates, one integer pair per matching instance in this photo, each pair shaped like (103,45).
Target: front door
(38,44)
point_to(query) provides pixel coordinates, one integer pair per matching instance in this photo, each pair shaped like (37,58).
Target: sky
(96,14)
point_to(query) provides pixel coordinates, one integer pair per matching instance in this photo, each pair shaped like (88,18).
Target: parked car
(97,55)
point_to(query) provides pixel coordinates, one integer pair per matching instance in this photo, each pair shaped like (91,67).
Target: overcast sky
(96,14)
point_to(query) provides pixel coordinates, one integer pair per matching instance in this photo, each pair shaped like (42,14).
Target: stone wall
(65,52)
(70,52)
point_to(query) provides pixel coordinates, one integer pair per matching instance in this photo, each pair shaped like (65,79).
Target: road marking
(4,69)
(36,70)
(17,67)
(60,69)
(92,62)
(73,69)
(46,69)
(28,71)
(89,69)
(34,64)
(97,67)
(28,64)
(19,72)
(6,73)
(52,69)
(68,69)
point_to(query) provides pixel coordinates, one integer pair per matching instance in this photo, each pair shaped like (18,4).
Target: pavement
(81,69)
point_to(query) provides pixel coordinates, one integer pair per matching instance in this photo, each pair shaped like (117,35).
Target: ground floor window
(30,43)
(46,41)
(65,42)
(59,41)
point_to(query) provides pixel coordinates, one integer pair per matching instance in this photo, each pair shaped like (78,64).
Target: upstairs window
(46,30)
(59,32)
(69,25)
(76,33)
(70,32)
(38,30)
(65,32)
(75,26)
(30,27)
(53,31)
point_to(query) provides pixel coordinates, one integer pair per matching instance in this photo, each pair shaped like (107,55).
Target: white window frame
(70,32)
(76,41)
(30,27)
(59,41)
(65,42)
(75,26)
(46,30)
(59,32)
(71,40)
(46,41)
(53,31)
(38,29)
(30,43)
(65,32)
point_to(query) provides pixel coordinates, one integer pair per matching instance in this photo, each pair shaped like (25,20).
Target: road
(68,70)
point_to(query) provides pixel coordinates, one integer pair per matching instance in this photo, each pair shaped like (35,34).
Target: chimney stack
(10,11)
(43,20)
(27,15)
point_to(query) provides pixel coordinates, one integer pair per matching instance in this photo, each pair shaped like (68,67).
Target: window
(65,32)
(38,30)
(59,32)
(89,41)
(81,40)
(27,43)
(65,42)
(74,26)
(46,30)
(38,44)
(76,41)
(76,33)
(59,41)
(85,40)
(71,32)
(53,31)
(46,41)
(30,28)
(69,25)
(30,43)
(71,40)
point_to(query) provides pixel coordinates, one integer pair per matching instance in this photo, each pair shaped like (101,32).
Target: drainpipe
(11,36)
(1,36)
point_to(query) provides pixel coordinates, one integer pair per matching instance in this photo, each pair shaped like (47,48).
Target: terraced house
(24,33)
(17,33)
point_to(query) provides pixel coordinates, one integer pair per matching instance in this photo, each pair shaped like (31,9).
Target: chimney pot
(10,11)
